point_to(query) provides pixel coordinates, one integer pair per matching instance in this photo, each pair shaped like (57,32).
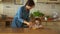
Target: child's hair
(38,19)
(30,3)
(34,19)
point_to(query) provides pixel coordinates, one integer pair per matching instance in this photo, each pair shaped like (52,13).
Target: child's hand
(31,23)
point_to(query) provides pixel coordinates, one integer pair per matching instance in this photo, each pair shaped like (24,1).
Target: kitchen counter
(5,22)
(7,19)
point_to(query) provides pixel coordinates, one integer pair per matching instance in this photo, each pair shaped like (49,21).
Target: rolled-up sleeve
(20,15)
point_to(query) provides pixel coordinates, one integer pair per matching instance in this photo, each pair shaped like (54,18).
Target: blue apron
(21,15)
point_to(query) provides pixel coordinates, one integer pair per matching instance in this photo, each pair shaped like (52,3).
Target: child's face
(37,22)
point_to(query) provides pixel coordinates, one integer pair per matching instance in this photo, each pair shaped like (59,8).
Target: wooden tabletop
(27,31)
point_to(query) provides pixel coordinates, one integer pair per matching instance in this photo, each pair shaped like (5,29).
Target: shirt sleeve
(20,15)
(28,18)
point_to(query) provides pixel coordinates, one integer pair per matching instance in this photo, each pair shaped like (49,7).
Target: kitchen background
(10,9)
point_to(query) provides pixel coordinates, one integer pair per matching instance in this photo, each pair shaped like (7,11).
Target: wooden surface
(7,19)
(27,31)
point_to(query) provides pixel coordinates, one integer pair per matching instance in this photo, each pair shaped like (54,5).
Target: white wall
(11,9)
(1,8)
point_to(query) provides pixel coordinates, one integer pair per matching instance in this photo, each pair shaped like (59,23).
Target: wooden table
(27,31)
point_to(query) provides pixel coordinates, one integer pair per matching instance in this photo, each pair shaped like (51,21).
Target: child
(36,23)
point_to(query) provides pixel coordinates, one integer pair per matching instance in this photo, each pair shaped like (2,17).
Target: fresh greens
(37,14)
